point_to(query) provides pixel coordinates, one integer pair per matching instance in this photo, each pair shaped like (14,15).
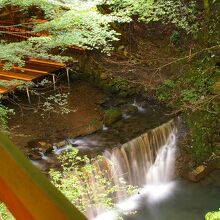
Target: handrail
(27,193)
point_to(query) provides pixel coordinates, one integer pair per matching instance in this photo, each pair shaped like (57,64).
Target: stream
(142,147)
(187,200)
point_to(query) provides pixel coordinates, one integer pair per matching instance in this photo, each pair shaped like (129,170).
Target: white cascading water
(148,162)
(139,107)
(162,169)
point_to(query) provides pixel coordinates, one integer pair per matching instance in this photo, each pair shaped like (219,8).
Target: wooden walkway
(33,69)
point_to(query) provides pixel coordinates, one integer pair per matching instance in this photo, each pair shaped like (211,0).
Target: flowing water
(147,162)
(147,159)
(186,201)
(143,156)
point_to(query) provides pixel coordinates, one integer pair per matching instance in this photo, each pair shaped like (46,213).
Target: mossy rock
(132,91)
(128,109)
(111,83)
(111,115)
(124,86)
(115,89)
(124,94)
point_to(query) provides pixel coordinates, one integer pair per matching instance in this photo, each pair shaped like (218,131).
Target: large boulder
(111,115)
(199,173)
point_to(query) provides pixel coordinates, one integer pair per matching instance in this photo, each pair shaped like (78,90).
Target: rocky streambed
(100,119)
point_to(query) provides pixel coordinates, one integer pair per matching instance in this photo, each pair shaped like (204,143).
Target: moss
(124,94)
(192,94)
(111,115)
(202,128)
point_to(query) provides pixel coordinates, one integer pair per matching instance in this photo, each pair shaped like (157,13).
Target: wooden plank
(28,193)
(5,78)
(47,62)
(3,90)
(20,76)
(42,66)
(28,69)
(28,73)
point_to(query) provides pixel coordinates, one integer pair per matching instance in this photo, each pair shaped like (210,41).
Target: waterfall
(148,158)
(147,161)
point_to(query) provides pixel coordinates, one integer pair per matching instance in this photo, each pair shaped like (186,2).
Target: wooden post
(68,76)
(28,95)
(54,82)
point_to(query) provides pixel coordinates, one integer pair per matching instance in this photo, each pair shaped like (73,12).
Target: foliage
(84,184)
(180,14)
(192,94)
(76,24)
(11,83)
(83,27)
(4,112)
(46,6)
(17,52)
(57,103)
(213,215)
(175,37)
(4,213)
(194,85)
(48,101)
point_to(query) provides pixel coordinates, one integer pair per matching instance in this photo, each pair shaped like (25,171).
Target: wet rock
(86,130)
(198,173)
(128,109)
(41,165)
(42,145)
(119,102)
(34,154)
(111,115)
(61,144)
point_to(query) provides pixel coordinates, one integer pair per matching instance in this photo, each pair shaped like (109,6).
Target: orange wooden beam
(23,69)
(27,193)
(14,75)
(47,62)
(3,90)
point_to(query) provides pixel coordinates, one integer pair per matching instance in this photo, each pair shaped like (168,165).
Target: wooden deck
(33,69)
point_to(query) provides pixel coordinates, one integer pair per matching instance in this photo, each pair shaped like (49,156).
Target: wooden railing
(27,193)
